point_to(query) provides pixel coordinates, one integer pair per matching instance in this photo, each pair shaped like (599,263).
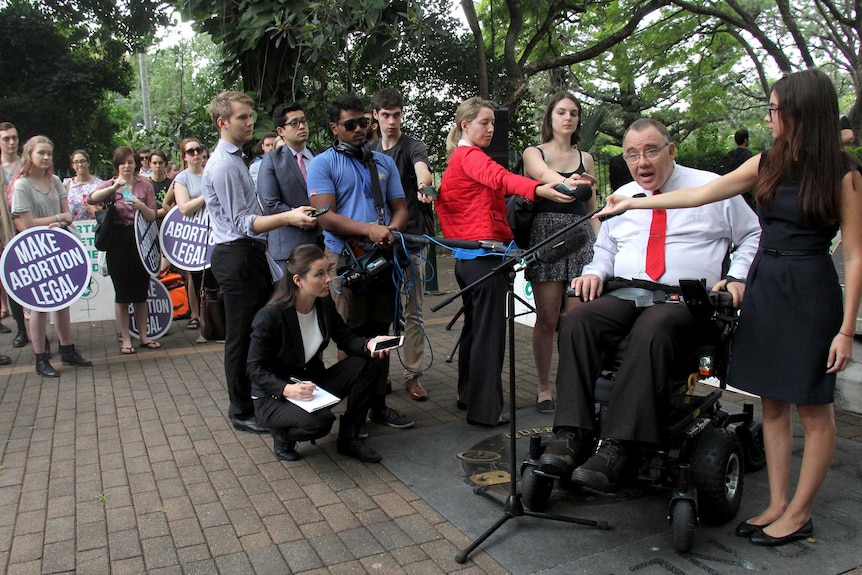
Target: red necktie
(301,165)
(655,244)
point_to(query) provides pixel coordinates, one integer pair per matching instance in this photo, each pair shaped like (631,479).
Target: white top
(697,238)
(312,337)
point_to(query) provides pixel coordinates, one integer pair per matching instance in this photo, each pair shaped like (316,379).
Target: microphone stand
(513,506)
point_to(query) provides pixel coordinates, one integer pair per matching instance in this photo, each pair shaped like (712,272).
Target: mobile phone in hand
(318,212)
(391,343)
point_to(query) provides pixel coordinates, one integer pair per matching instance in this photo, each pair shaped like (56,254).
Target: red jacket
(471,203)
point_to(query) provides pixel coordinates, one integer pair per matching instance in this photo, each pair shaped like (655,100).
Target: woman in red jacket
(472,206)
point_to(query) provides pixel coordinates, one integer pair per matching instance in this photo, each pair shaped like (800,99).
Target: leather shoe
(415,389)
(20,339)
(746,529)
(804,532)
(251,425)
(5,360)
(4,329)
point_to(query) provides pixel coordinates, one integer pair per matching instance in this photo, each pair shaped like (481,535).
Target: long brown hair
(548,130)
(298,263)
(808,149)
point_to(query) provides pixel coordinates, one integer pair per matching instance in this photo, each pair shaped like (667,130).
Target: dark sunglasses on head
(350,125)
(195,151)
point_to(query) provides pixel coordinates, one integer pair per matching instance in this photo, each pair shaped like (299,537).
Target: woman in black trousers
(285,361)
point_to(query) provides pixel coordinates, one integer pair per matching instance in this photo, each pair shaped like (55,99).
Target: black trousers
(243,274)
(658,337)
(352,378)
(483,340)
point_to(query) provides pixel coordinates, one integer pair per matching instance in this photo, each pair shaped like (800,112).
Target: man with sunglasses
(281,183)
(340,178)
(645,253)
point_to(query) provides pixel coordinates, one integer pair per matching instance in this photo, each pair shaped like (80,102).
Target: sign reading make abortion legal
(147,236)
(45,269)
(187,240)
(160,311)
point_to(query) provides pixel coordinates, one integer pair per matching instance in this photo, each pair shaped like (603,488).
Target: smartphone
(127,195)
(564,189)
(391,343)
(318,212)
(586,176)
(429,191)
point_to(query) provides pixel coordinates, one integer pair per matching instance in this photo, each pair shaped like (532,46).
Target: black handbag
(211,303)
(104,230)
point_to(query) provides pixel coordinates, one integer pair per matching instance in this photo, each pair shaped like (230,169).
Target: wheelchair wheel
(535,490)
(751,436)
(717,465)
(683,522)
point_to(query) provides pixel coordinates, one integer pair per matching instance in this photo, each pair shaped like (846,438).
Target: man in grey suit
(281,182)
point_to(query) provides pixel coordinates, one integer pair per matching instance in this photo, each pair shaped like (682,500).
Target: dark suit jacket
(276,351)
(281,188)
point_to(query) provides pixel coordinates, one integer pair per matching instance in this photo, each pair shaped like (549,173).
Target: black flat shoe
(804,532)
(746,529)
(461,405)
(250,425)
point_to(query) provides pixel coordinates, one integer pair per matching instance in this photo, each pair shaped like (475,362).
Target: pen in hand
(306,389)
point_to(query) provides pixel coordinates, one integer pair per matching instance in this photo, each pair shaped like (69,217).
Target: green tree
(57,80)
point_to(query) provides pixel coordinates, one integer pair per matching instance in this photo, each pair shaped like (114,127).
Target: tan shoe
(415,389)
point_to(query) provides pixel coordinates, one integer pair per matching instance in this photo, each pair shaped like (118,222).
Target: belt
(246,242)
(772,252)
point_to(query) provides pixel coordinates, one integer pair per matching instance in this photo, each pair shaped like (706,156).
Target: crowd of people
(290,230)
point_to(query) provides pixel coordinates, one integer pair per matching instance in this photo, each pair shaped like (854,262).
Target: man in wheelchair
(640,257)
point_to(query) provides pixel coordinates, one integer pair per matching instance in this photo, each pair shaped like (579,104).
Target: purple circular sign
(147,236)
(160,311)
(45,269)
(187,240)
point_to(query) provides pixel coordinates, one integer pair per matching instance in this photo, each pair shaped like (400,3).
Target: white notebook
(320,399)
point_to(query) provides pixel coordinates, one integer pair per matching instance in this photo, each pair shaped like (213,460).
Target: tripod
(513,506)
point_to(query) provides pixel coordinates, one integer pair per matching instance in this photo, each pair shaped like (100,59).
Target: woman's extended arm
(736,182)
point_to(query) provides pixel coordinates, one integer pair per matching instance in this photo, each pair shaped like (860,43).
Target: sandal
(127,350)
(194,323)
(152,345)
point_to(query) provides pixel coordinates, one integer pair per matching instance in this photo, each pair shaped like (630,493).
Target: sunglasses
(350,125)
(195,151)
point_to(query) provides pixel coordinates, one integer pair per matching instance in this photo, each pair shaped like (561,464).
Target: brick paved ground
(131,467)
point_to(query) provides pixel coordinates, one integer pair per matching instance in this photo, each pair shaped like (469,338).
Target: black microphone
(582,192)
(604,218)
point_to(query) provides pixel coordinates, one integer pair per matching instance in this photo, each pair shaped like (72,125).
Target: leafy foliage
(56,81)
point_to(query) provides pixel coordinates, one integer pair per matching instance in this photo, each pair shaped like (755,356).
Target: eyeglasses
(195,151)
(771,109)
(76,162)
(649,154)
(350,125)
(297,123)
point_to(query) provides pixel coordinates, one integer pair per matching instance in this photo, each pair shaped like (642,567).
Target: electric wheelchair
(704,450)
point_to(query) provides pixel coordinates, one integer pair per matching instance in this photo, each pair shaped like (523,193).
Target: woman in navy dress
(793,335)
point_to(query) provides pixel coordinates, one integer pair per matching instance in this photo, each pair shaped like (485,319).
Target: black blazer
(276,352)
(281,188)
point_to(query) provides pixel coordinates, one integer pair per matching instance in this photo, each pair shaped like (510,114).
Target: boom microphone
(496,247)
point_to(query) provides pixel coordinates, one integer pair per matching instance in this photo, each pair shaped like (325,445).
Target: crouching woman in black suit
(288,337)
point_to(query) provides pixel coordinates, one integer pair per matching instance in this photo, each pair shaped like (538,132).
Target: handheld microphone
(605,218)
(582,192)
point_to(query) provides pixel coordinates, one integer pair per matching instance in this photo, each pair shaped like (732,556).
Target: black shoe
(746,529)
(284,448)
(44,368)
(70,356)
(358,449)
(4,329)
(390,417)
(5,360)
(804,532)
(20,339)
(604,470)
(565,452)
(251,425)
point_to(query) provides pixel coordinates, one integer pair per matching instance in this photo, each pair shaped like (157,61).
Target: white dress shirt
(697,238)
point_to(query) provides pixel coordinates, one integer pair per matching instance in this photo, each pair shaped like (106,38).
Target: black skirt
(131,281)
